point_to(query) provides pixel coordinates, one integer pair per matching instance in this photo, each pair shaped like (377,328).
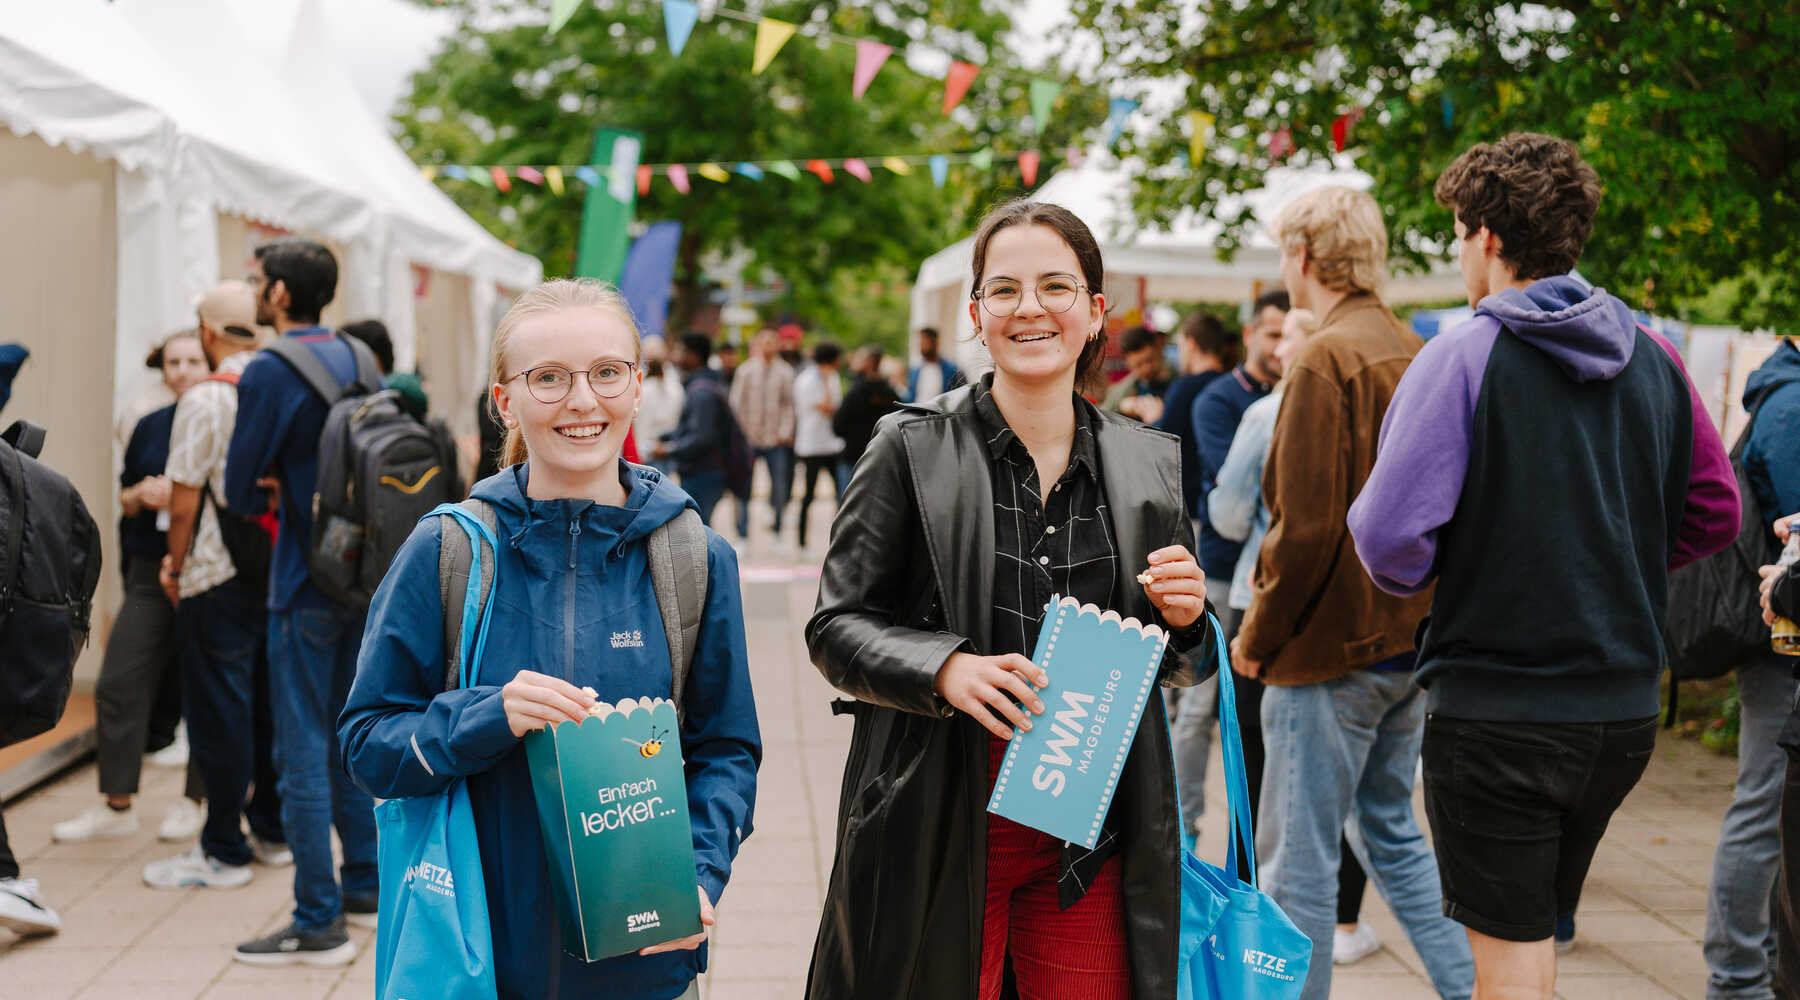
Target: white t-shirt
(660,408)
(931,380)
(812,429)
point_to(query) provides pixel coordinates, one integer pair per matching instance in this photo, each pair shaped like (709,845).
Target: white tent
(1179,263)
(144,147)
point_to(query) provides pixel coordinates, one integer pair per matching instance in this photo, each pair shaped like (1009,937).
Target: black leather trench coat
(907,581)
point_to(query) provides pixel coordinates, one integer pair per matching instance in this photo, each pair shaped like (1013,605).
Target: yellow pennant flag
(429,172)
(1201,123)
(714,172)
(771,35)
(1509,93)
(897,165)
(553,177)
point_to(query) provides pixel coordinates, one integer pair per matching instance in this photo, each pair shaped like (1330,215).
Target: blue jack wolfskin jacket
(573,577)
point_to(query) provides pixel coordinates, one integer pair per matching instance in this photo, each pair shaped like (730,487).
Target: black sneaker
(360,908)
(292,946)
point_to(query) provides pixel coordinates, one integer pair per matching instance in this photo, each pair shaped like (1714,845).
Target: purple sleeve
(1421,459)
(1709,522)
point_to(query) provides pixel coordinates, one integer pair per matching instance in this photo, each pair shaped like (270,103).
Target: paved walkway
(1640,919)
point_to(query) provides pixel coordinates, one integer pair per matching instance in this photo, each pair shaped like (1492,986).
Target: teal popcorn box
(612,806)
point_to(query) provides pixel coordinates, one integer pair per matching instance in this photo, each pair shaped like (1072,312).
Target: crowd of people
(1442,560)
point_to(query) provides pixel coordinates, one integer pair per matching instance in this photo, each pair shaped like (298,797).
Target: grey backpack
(678,574)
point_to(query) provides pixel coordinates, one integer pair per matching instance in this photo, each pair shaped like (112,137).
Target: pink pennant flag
(678,177)
(645,172)
(869,58)
(956,83)
(858,169)
(1281,143)
(530,175)
(501,181)
(1028,166)
(821,168)
(1074,157)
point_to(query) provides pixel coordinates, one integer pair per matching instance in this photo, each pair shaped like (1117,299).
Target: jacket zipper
(569,603)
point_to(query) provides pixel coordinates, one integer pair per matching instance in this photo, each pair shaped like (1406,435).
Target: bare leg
(1513,970)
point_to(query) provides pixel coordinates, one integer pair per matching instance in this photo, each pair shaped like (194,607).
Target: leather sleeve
(870,585)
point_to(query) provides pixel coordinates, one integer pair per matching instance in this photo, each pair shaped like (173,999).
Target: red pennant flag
(821,168)
(869,58)
(643,179)
(858,169)
(678,177)
(501,181)
(530,175)
(956,83)
(1028,166)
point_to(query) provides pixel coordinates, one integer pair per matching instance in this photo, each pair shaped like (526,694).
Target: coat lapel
(955,494)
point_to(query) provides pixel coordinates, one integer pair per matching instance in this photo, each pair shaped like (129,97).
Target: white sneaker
(176,753)
(182,822)
(270,853)
(194,869)
(23,912)
(1351,948)
(99,821)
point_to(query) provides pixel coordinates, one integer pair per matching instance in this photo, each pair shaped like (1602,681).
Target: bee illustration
(652,746)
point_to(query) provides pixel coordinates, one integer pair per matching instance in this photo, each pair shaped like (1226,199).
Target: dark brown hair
(1080,239)
(1208,333)
(1534,192)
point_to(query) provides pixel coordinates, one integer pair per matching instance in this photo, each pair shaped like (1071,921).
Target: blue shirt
(1178,419)
(279,420)
(1215,418)
(145,456)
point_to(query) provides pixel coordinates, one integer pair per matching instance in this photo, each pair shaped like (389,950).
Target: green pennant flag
(607,208)
(481,176)
(1043,94)
(786,169)
(981,159)
(560,12)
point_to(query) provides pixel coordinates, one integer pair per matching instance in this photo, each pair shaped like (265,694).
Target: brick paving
(1640,919)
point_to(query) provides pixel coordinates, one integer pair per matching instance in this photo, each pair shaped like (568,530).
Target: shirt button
(1050,530)
(1043,560)
(1056,488)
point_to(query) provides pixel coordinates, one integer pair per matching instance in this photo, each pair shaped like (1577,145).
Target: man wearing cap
(219,619)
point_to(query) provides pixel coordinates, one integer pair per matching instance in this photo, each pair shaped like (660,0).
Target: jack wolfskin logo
(633,639)
(644,921)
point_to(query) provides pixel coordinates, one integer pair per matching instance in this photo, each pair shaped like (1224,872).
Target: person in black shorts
(1547,462)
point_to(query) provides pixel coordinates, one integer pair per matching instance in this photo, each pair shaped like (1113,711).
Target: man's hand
(690,942)
(169,576)
(153,492)
(1784,525)
(1243,664)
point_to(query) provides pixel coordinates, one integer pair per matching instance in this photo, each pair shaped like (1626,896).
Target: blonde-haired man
(1341,716)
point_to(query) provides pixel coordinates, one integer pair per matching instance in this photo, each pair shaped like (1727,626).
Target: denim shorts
(1517,810)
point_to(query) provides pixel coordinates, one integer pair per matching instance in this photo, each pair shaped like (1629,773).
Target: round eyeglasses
(1056,293)
(551,383)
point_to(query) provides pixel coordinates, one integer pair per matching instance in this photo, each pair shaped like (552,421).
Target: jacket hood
(1587,331)
(650,502)
(1782,368)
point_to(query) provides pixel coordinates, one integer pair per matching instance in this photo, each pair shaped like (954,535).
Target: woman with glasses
(965,515)
(575,619)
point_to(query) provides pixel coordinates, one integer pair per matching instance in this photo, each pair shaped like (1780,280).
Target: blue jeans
(1345,750)
(222,650)
(707,487)
(1740,938)
(312,658)
(779,461)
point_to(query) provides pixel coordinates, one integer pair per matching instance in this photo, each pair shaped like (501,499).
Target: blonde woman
(573,571)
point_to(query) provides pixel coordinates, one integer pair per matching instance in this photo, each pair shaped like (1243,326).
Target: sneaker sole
(107,835)
(194,883)
(29,928)
(331,958)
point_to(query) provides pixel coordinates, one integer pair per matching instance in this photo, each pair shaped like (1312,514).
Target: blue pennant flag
(678,20)
(940,169)
(1119,110)
(750,170)
(588,175)
(455,172)
(1449,110)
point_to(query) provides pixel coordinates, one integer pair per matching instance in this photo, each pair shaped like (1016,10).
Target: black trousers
(1787,887)
(812,466)
(139,670)
(9,865)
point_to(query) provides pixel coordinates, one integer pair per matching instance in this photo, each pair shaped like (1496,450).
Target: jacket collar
(1352,303)
(1000,435)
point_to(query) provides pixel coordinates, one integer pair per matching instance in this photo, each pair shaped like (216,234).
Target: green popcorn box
(612,805)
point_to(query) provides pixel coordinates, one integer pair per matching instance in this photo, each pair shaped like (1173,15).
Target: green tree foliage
(504,91)
(1688,109)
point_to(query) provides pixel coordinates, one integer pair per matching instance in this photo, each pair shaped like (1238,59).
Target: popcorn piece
(1145,579)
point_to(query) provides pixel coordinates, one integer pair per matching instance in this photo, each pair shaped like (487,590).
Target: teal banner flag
(607,211)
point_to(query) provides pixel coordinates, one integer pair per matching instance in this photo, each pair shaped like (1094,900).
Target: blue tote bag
(434,940)
(1236,944)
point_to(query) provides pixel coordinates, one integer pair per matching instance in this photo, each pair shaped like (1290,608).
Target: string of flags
(680,176)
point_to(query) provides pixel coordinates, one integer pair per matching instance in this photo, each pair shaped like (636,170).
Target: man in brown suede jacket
(1342,720)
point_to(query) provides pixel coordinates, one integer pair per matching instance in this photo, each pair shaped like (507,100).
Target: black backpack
(1714,621)
(48,571)
(380,470)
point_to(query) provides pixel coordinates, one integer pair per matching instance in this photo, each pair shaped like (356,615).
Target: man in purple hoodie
(1546,463)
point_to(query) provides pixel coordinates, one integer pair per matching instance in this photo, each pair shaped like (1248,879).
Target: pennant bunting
(529,175)
(456,173)
(1340,132)
(771,35)
(869,58)
(679,17)
(820,168)
(1508,93)
(1043,94)
(786,169)
(560,12)
(1074,157)
(1449,107)
(481,177)
(714,172)
(856,168)
(678,176)
(750,170)
(429,173)
(1200,125)
(897,165)
(982,159)
(1028,167)
(1281,143)
(553,177)
(940,169)
(501,180)
(588,175)
(1117,111)
(644,175)
(956,83)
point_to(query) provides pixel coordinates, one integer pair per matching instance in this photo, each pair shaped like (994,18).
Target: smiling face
(574,442)
(1033,344)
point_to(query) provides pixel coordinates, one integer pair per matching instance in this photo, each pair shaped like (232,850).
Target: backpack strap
(90,573)
(15,525)
(454,560)
(368,370)
(302,359)
(678,572)
(26,436)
